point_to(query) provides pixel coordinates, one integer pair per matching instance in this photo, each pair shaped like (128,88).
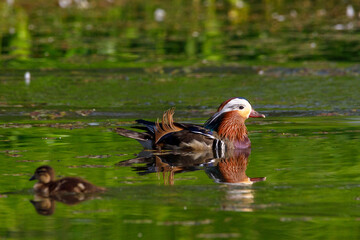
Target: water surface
(71,71)
(311,167)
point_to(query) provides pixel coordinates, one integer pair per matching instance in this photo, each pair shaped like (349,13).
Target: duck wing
(189,137)
(171,135)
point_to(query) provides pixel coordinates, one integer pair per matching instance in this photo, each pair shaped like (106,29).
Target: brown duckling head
(44,174)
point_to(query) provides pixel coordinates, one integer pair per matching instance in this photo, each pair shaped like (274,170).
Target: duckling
(47,186)
(224,130)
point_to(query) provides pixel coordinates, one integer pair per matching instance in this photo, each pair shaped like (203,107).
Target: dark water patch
(202,115)
(303,71)
(227,68)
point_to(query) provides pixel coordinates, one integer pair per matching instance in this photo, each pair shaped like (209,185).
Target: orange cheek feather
(244,114)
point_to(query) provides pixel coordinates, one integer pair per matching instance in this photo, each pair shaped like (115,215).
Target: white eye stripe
(234,104)
(237,103)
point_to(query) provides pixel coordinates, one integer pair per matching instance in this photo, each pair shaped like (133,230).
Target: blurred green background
(76,33)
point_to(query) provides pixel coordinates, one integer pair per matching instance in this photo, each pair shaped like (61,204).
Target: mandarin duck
(48,186)
(224,130)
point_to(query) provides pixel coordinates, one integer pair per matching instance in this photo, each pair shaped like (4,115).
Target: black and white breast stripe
(219,148)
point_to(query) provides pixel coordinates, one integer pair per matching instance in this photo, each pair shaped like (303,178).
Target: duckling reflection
(43,206)
(231,172)
(46,205)
(68,190)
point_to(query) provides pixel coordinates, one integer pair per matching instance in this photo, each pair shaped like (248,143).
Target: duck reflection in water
(231,169)
(68,190)
(228,168)
(168,163)
(231,172)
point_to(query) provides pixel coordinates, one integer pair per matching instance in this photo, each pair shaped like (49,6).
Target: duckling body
(48,186)
(223,130)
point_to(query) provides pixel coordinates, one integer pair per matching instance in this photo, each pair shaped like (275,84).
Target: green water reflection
(311,166)
(121,32)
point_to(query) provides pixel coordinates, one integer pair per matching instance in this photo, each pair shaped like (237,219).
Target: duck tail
(145,139)
(140,136)
(149,125)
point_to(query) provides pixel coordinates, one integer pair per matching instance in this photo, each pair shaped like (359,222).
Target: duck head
(44,174)
(229,120)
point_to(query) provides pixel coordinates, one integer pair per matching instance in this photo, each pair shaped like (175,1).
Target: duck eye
(241,107)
